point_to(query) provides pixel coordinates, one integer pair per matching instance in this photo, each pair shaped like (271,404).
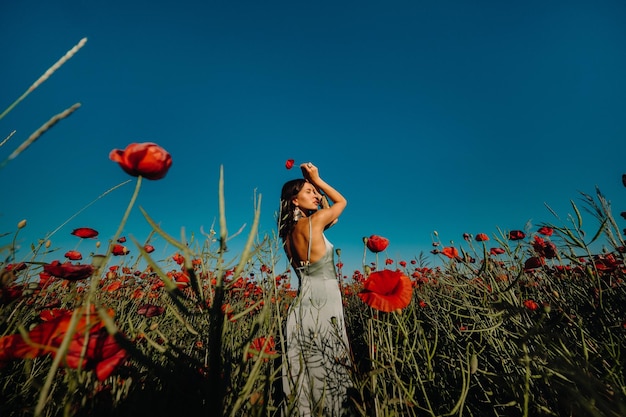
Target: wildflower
(262,346)
(496,251)
(543,248)
(146,159)
(606,263)
(85,232)
(289,163)
(53,313)
(20,266)
(388,261)
(534,262)
(73,255)
(112,287)
(122,239)
(376,243)
(148,248)
(178,258)
(150,310)
(119,250)
(68,270)
(10,293)
(516,235)
(467,236)
(450,252)
(91,346)
(545,230)
(531,305)
(481,237)
(138,293)
(387,290)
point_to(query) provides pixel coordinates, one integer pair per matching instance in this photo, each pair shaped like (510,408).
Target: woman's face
(308,198)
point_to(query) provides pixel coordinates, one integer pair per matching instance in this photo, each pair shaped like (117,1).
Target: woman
(315,378)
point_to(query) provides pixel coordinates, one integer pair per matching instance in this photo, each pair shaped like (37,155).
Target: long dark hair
(286,220)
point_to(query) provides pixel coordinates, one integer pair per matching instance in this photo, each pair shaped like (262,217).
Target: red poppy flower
(481,237)
(545,230)
(20,266)
(85,232)
(122,239)
(114,286)
(73,255)
(289,163)
(450,252)
(178,258)
(68,270)
(544,249)
(119,250)
(150,310)
(516,235)
(534,262)
(146,159)
(531,305)
(387,290)
(53,313)
(377,243)
(262,346)
(496,251)
(100,352)
(9,294)
(148,248)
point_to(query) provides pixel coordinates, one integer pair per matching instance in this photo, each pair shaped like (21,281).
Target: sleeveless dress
(317,343)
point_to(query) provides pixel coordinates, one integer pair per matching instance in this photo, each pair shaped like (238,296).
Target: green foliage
(483,336)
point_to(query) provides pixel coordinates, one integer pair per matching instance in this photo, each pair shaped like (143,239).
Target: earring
(297,214)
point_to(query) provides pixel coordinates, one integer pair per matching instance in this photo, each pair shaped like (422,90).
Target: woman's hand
(310,172)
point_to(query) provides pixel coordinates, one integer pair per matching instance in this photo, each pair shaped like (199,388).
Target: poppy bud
(21,224)
(473,364)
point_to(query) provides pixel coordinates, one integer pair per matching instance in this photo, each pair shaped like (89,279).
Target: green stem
(104,259)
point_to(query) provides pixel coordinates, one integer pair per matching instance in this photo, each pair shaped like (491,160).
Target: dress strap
(308,253)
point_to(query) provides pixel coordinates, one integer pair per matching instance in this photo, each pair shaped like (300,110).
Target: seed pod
(473,364)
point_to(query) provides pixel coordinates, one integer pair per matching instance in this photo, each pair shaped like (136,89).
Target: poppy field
(526,322)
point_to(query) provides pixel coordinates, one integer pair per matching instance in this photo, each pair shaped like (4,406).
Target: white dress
(316,370)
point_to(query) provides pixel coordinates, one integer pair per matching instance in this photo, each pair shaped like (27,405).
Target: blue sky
(453,116)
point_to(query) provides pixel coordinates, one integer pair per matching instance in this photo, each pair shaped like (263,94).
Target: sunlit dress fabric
(317,343)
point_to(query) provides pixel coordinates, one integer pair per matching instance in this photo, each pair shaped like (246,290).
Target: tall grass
(485,334)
